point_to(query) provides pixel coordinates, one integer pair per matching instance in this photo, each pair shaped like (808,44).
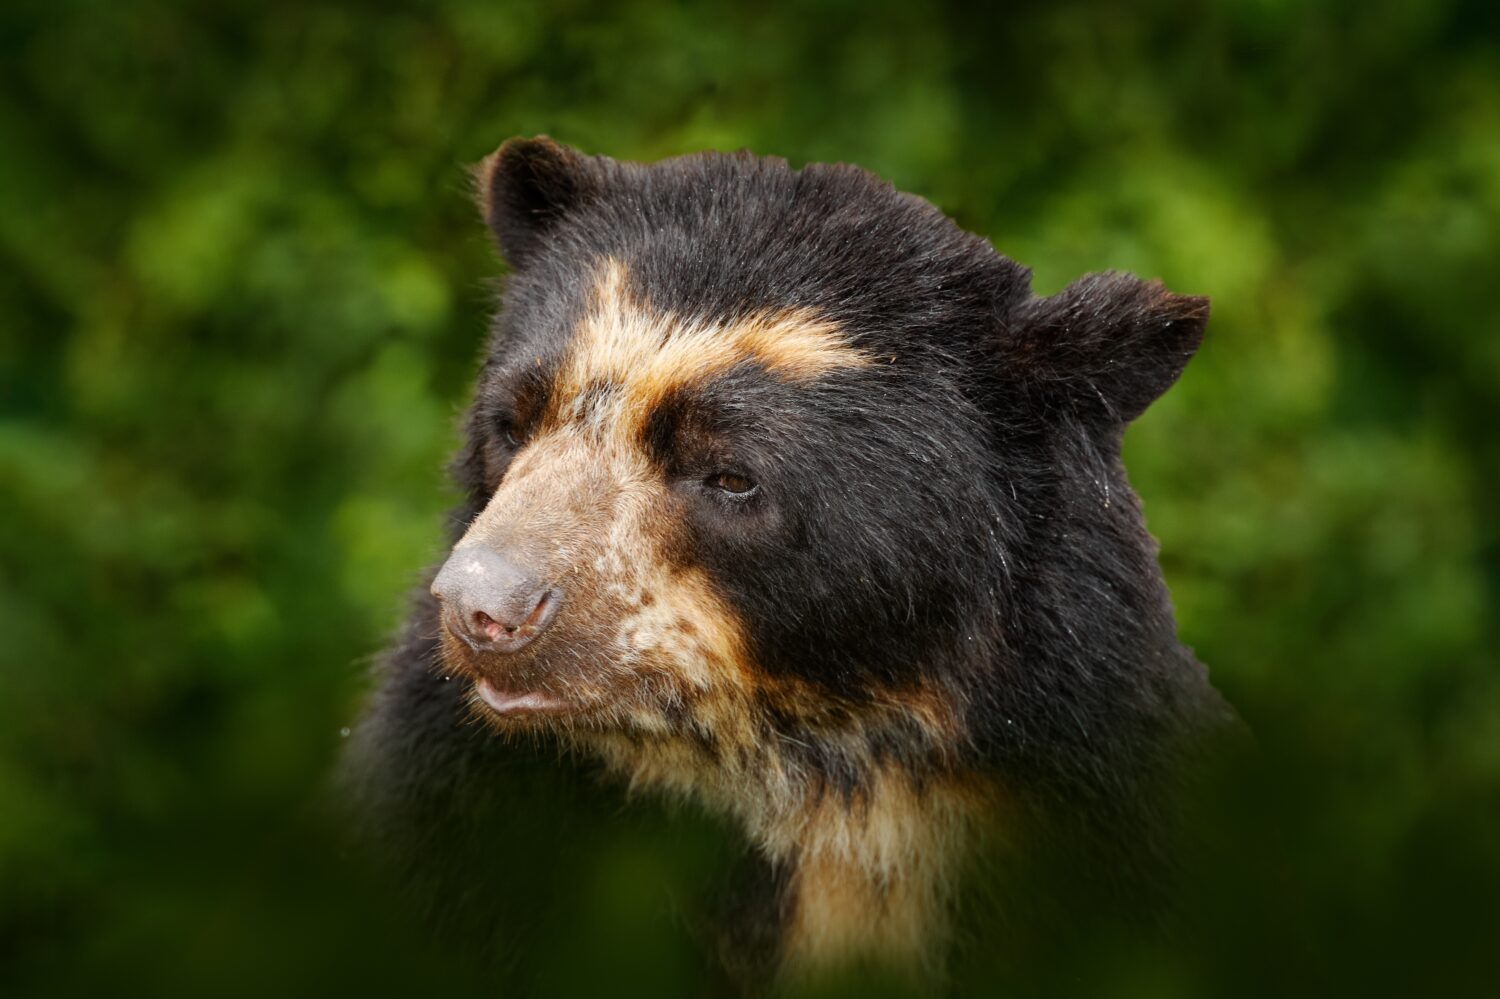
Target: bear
(784,494)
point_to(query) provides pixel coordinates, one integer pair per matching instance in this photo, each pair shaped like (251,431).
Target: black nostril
(492,603)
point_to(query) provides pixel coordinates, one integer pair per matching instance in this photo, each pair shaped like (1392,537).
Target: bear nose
(492,603)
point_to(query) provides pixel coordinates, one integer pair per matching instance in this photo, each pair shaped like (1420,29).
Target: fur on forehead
(724,235)
(720,237)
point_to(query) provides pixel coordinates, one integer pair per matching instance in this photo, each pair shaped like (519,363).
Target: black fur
(955,515)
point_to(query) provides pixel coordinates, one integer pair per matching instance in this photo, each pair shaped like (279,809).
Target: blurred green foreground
(242,291)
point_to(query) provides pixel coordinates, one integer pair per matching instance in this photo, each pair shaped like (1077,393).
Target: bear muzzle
(492,604)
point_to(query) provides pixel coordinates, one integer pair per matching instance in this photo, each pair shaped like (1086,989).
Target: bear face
(784,492)
(719,446)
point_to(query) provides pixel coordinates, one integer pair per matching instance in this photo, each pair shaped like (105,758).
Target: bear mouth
(514,703)
(532,692)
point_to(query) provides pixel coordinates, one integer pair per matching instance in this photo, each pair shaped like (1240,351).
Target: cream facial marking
(585,508)
(626,343)
(585,483)
(669,668)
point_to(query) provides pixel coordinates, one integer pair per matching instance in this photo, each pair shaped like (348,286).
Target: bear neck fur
(865,869)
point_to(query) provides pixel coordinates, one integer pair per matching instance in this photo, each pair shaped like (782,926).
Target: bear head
(761,475)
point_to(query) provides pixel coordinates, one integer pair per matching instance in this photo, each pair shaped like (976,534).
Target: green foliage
(242,290)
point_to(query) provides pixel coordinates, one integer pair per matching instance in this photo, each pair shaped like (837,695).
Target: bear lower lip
(508,702)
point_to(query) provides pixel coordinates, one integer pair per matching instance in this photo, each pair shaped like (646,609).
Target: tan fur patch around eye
(624,341)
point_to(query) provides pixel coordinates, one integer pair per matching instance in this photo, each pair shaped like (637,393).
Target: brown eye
(731,483)
(513,435)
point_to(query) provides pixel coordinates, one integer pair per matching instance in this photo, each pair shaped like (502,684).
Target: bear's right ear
(526,186)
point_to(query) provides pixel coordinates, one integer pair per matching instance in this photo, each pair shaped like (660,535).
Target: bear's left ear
(526,187)
(1109,341)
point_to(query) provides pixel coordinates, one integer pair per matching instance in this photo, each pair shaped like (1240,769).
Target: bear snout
(493,603)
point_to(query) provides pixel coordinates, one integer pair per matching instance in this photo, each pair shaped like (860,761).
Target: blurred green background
(242,290)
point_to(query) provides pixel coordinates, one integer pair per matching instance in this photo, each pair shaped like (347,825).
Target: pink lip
(508,703)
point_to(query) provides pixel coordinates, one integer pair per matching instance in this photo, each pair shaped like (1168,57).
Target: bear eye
(514,436)
(732,483)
